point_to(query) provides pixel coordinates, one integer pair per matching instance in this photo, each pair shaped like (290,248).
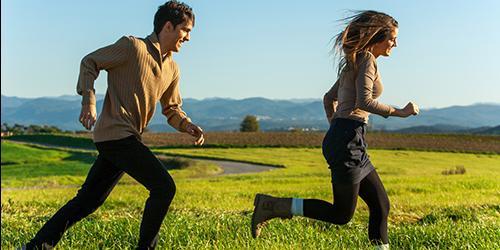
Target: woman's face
(384,48)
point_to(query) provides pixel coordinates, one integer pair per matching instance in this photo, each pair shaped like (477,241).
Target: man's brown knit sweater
(138,77)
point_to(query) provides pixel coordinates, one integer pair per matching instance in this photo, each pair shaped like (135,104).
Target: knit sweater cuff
(183,124)
(88,98)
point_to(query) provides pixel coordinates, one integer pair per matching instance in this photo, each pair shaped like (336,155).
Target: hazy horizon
(100,96)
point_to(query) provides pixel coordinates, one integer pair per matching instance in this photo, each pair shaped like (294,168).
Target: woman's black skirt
(344,148)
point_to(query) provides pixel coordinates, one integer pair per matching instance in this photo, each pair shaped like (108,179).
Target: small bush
(458,170)
(176,162)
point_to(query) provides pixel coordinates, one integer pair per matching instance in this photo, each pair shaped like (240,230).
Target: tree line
(22,129)
(249,124)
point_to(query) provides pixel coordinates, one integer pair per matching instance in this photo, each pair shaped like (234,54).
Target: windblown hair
(364,29)
(173,11)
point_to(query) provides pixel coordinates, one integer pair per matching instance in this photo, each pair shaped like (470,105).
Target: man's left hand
(196,132)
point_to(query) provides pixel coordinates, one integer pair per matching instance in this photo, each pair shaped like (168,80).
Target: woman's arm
(367,73)
(330,101)
(410,109)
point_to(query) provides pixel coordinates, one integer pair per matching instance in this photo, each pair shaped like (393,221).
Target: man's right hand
(88,116)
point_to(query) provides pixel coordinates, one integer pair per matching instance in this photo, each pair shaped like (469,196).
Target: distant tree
(249,124)
(18,129)
(5,127)
(43,129)
(34,128)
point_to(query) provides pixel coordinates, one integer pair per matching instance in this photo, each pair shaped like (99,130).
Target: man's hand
(88,116)
(196,132)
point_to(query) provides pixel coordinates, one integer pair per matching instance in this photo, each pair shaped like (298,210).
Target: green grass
(29,165)
(429,210)
(61,140)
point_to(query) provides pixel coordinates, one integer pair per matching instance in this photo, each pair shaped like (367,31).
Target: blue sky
(447,55)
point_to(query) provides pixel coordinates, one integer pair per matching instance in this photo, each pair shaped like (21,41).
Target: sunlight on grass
(428,209)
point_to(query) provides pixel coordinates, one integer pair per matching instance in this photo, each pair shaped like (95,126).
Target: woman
(348,103)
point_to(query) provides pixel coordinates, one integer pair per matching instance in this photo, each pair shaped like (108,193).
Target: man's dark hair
(173,11)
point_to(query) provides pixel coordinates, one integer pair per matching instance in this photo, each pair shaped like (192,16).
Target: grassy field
(429,210)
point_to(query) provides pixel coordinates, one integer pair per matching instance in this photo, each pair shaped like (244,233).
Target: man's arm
(105,58)
(171,103)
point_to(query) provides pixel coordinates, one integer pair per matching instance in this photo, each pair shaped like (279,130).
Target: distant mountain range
(223,114)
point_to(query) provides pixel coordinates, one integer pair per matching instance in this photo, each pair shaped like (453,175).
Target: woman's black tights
(371,190)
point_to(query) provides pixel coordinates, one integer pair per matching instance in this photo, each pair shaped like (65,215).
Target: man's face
(174,37)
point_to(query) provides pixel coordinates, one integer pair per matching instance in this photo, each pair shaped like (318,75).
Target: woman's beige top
(354,94)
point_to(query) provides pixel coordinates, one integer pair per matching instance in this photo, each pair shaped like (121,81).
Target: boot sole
(253,226)
(256,200)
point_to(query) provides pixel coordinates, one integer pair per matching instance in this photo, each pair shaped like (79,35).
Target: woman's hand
(410,109)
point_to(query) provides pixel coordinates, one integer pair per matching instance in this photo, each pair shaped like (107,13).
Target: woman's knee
(340,217)
(382,209)
(386,206)
(344,218)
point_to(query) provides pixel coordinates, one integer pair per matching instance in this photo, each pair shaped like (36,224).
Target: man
(141,72)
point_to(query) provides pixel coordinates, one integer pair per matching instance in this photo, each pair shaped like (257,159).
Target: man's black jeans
(115,158)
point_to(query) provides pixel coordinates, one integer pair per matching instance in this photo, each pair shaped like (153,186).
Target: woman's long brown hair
(363,30)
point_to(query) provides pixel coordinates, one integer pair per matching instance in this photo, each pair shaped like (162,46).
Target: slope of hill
(223,114)
(488,131)
(443,128)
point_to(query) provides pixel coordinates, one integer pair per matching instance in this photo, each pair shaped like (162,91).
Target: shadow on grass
(455,214)
(74,164)
(83,157)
